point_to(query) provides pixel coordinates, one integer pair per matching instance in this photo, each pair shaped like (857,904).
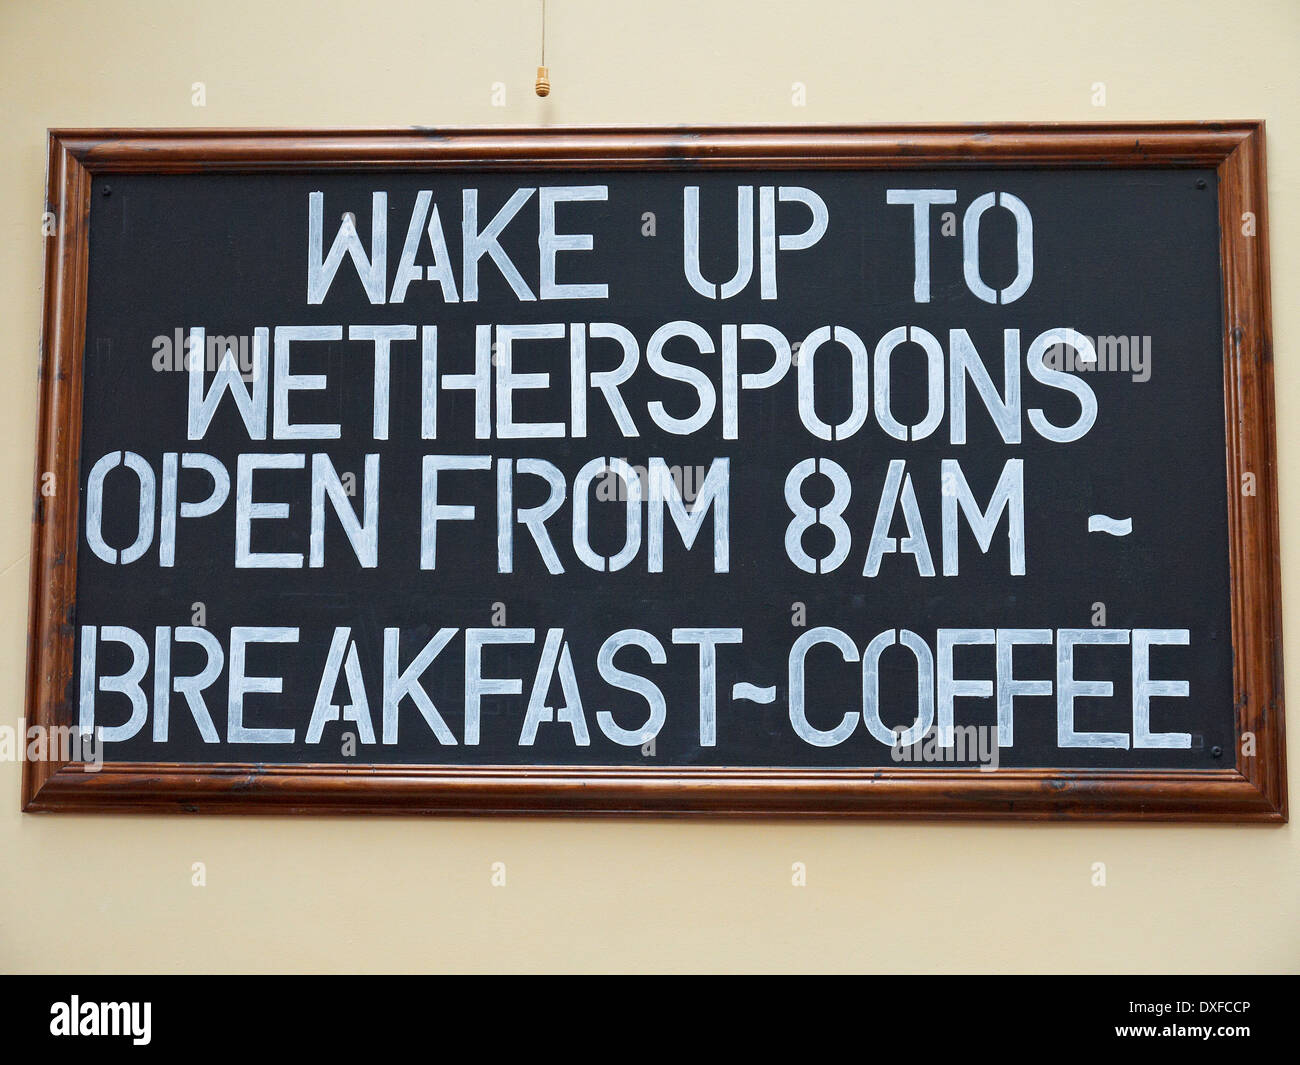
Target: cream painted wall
(114,894)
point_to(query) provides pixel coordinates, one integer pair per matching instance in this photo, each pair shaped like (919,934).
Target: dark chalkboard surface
(948,451)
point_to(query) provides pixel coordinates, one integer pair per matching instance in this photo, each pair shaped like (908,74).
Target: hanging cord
(543,86)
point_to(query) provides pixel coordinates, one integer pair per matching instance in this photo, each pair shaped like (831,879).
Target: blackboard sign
(825,471)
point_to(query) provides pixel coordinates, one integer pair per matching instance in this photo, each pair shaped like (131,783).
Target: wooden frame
(1253,790)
